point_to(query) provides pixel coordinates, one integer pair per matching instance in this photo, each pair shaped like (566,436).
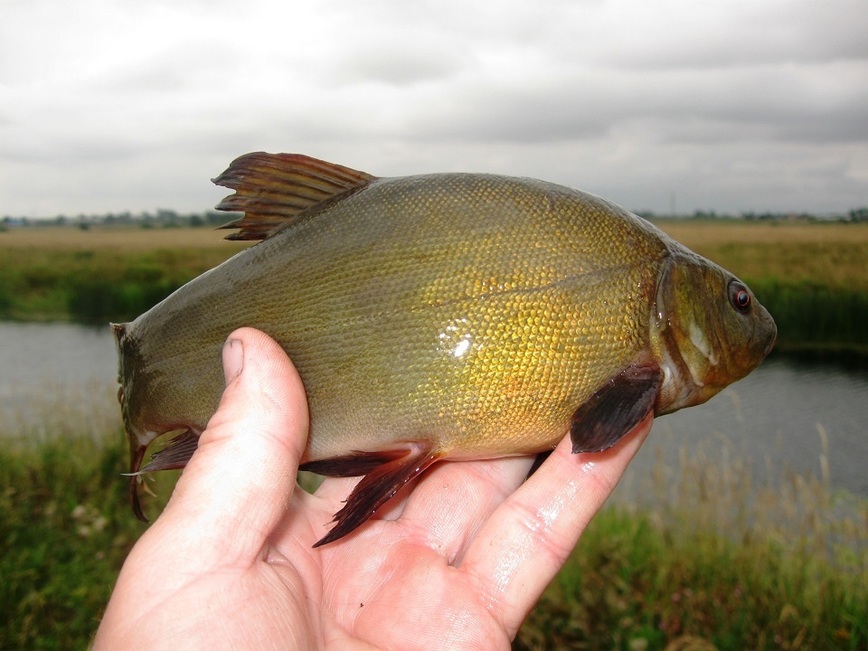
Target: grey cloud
(742,105)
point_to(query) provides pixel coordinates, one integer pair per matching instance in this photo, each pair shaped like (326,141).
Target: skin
(457,563)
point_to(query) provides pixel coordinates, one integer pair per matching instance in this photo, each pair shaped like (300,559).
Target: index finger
(529,537)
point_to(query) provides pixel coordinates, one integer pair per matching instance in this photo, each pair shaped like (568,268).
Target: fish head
(709,328)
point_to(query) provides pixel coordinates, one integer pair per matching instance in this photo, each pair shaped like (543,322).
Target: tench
(435,317)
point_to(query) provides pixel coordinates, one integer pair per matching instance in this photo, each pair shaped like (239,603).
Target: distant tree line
(162,218)
(165,218)
(855,215)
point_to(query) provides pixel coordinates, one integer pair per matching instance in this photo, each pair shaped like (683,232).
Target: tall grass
(815,315)
(65,529)
(813,278)
(708,560)
(832,254)
(705,558)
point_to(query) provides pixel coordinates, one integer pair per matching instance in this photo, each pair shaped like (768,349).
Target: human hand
(458,562)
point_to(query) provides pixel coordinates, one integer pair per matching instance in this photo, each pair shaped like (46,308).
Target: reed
(706,559)
(811,277)
(813,315)
(706,556)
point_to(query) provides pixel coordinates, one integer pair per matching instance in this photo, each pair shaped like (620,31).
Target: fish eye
(739,297)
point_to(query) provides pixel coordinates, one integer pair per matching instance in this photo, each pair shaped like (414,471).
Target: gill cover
(712,330)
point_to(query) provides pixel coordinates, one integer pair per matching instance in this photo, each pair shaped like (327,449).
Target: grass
(812,315)
(705,560)
(100,275)
(636,584)
(705,557)
(65,528)
(831,255)
(812,277)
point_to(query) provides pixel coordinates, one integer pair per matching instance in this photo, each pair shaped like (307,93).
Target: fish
(437,317)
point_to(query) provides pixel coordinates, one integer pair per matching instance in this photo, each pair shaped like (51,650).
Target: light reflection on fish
(435,317)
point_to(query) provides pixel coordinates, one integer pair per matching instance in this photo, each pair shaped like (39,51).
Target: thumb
(238,484)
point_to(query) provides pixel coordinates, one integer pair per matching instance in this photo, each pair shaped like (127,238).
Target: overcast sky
(731,105)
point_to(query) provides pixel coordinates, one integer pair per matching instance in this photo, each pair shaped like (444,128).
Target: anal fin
(615,408)
(378,486)
(175,455)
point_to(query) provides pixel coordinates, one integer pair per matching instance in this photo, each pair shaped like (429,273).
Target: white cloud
(733,105)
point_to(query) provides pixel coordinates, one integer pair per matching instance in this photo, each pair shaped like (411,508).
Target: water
(64,376)
(809,418)
(57,378)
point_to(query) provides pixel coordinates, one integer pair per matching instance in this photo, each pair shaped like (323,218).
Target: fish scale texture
(472,311)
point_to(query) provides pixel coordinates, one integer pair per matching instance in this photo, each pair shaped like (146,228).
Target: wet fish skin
(443,316)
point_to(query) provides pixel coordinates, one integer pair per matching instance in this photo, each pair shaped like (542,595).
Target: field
(99,275)
(832,255)
(712,561)
(812,277)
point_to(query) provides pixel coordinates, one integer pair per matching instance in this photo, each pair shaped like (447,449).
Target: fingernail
(233,359)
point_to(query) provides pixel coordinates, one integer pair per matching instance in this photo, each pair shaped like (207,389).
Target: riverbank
(812,277)
(710,555)
(719,563)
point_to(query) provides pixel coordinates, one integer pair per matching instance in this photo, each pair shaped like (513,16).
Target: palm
(418,581)
(457,563)
(454,561)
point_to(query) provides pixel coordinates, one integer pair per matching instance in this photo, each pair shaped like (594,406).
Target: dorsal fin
(274,189)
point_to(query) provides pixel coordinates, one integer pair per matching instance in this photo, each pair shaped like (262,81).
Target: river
(788,416)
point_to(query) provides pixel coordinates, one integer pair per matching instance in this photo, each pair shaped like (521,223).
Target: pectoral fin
(386,473)
(615,408)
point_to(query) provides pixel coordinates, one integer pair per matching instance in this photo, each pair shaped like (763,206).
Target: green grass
(812,278)
(636,583)
(65,528)
(813,315)
(710,558)
(94,286)
(721,561)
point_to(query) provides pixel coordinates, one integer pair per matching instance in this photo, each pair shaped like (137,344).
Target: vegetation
(812,277)
(65,529)
(709,560)
(727,564)
(706,560)
(95,276)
